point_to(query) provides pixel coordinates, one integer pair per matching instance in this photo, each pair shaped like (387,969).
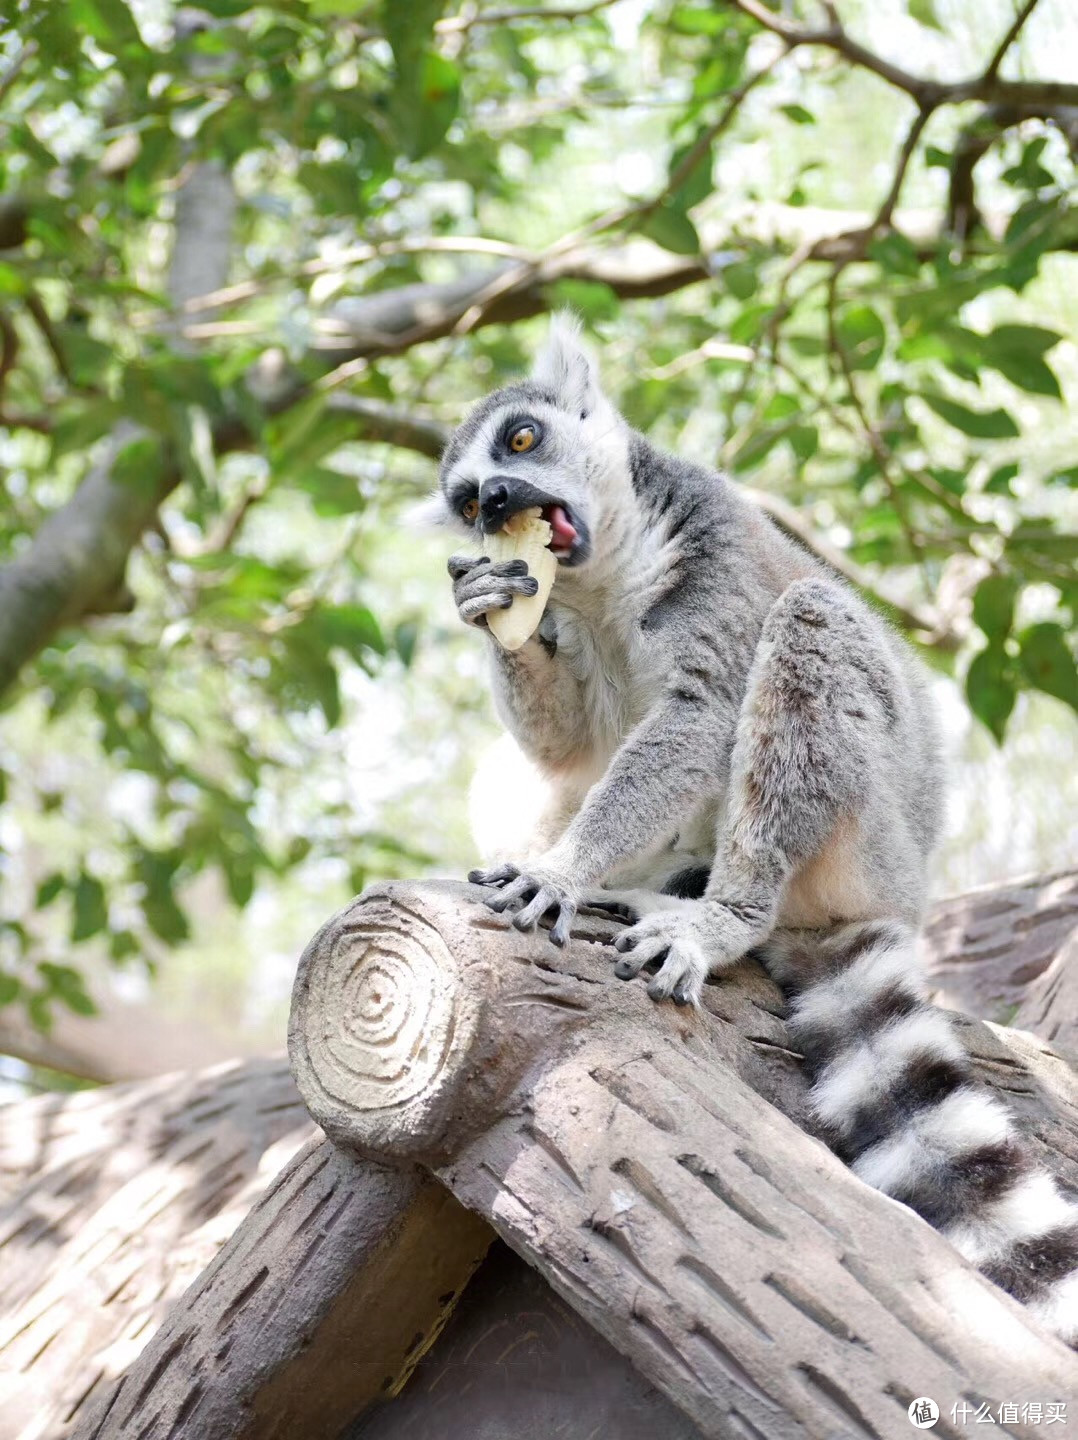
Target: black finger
(560,930)
(498,876)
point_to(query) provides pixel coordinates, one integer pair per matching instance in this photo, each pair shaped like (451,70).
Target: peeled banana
(524,536)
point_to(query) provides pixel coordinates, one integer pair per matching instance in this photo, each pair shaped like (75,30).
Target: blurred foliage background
(254,261)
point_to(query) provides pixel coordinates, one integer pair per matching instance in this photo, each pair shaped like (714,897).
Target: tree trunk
(623,1150)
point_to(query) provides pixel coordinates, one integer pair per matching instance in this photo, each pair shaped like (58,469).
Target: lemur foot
(686,943)
(537,894)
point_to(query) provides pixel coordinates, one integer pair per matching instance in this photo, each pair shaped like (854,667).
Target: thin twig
(11,74)
(455,24)
(52,340)
(992,68)
(909,145)
(360,255)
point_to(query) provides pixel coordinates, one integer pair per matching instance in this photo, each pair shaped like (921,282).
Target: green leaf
(156,870)
(993,606)
(999,482)
(90,908)
(741,279)
(592,299)
(48,890)
(40,1011)
(798,114)
(862,336)
(438,102)
(1022,340)
(990,689)
(68,986)
(10,988)
(352,627)
(1017,352)
(673,230)
(1064,477)
(896,254)
(924,12)
(1047,662)
(697,184)
(690,21)
(981,424)
(405,637)
(108,21)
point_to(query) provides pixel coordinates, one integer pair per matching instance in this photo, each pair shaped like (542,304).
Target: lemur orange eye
(522,439)
(470,509)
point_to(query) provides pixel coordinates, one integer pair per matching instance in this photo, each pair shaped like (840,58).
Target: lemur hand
(538,891)
(479,585)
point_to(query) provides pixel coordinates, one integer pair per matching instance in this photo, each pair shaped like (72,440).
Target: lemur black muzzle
(504,495)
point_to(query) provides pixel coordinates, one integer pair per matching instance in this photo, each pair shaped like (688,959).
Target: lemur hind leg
(825,709)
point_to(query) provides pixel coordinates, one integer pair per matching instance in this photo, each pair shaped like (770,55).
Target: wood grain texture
(324,1300)
(113,1201)
(623,1150)
(1002,953)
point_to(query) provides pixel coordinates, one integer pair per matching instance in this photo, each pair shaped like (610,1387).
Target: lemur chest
(619,682)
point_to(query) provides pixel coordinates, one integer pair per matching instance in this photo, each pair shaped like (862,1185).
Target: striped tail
(895,1094)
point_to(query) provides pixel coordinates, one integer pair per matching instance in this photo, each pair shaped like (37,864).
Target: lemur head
(553,440)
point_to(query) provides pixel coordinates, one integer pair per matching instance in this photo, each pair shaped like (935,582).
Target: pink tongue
(563,534)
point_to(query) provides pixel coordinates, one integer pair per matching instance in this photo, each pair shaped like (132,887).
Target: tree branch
(929,94)
(456,24)
(992,68)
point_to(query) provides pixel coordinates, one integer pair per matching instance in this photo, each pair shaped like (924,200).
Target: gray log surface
(113,1201)
(622,1149)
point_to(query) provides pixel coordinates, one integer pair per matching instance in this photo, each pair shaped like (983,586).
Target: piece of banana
(524,536)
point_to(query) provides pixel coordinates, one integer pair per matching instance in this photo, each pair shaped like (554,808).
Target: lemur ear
(566,367)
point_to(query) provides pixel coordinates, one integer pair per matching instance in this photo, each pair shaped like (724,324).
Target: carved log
(113,1201)
(624,1151)
(326,1297)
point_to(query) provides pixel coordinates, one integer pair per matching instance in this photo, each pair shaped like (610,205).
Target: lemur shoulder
(742,755)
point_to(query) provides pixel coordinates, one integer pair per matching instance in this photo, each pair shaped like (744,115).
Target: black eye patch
(459,495)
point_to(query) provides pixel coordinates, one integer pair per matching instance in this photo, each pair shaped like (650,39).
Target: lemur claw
(536,897)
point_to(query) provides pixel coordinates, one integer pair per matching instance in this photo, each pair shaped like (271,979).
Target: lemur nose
(493,503)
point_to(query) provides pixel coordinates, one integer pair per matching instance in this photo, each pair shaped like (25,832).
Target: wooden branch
(928,93)
(625,1151)
(1000,952)
(78,555)
(113,1201)
(340,1278)
(991,70)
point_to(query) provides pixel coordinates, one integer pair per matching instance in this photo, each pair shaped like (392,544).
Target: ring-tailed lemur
(728,728)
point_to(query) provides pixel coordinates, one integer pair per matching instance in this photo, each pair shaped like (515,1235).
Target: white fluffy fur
(870,1070)
(867,976)
(1058,1309)
(963,1120)
(1032,1206)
